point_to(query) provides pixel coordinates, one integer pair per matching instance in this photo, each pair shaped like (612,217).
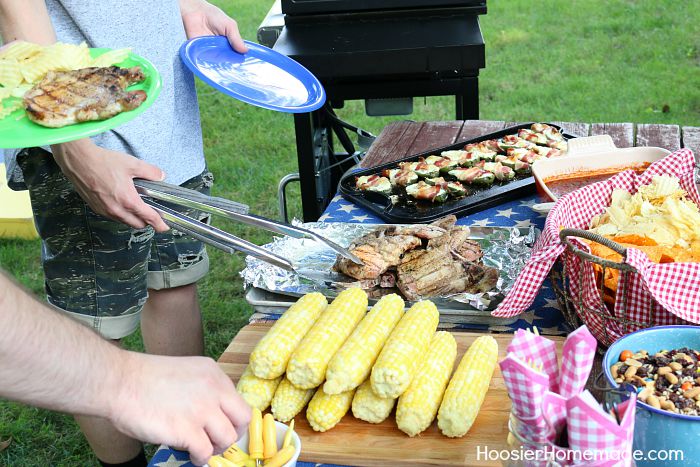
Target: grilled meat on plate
(66,97)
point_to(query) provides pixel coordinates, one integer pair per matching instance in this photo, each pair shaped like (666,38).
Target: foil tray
(506,249)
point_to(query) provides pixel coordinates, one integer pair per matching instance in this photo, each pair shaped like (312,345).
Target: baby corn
(351,365)
(404,350)
(467,389)
(257,392)
(270,357)
(308,364)
(419,404)
(326,410)
(289,401)
(367,406)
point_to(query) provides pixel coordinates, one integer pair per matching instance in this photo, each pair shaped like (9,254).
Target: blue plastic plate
(260,77)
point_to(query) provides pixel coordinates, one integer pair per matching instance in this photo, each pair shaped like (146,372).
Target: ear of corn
(308,364)
(467,388)
(367,406)
(257,392)
(326,410)
(351,365)
(403,352)
(418,406)
(270,357)
(289,400)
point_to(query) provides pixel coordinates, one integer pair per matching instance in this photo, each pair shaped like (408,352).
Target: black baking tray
(423,211)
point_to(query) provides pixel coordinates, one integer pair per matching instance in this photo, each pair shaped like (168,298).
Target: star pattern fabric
(167,457)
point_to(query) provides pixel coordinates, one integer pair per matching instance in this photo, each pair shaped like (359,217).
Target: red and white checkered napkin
(596,433)
(530,347)
(576,361)
(674,286)
(526,387)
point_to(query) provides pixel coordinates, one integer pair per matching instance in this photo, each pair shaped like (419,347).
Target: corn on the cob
(351,365)
(308,364)
(326,410)
(270,357)
(257,392)
(418,406)
(467,388)
(368,406)
(403,351)
(289,400)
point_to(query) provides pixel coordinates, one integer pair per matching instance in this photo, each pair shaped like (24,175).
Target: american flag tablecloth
(544,312)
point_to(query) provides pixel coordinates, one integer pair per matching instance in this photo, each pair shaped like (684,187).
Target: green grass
(606,61)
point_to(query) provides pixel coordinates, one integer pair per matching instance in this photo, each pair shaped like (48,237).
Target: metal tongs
(151,191)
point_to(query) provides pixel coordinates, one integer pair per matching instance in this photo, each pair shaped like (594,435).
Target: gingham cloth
(592,430)
(658,294)
(576,361)
(528,346)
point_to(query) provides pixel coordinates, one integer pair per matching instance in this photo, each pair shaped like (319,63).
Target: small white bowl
(281,431)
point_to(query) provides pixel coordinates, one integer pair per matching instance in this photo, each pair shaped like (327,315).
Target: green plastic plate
(17,131)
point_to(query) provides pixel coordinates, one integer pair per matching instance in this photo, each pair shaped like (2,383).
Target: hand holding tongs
(218,238)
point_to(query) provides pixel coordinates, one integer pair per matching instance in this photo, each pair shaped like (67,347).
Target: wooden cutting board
(357,443)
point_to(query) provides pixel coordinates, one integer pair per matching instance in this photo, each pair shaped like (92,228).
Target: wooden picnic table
(401,139)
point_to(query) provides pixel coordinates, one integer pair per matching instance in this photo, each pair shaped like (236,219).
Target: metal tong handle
(230,210)
(216,237)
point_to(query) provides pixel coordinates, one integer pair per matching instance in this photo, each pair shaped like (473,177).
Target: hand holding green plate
(17,131)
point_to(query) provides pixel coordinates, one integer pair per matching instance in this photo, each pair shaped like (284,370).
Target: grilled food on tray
(67,97)
(423,261)
(476,166)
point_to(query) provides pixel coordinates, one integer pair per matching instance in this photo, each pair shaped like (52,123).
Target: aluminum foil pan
(506,249)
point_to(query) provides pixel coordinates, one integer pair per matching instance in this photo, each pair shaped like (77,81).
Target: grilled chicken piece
(378,252)
(66,97)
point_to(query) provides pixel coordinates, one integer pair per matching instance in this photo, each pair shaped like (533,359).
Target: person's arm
(50,361)
(103,178)
(201,18)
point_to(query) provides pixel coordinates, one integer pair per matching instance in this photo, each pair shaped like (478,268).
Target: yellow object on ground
(308,364)
(289,400)
(405,350)
(325,410)
(368,406)
(467,388)
(418,406)
(352,364)
(257,392)
(270,357)
(16,219)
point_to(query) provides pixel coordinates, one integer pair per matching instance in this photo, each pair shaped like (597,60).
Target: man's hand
(104,179)
(184,402)
(201,18)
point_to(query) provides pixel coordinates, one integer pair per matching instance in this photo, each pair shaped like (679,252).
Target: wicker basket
(574,307)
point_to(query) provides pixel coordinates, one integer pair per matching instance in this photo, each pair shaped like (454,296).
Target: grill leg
(467,101)
(282,194)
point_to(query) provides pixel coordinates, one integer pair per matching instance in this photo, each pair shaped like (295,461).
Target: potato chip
(19,91)
(112,57)
(8,107)
(34,69)
(19,50)
(10,73)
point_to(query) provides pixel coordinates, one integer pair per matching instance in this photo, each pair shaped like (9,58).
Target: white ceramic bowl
(281,431)
(590,154)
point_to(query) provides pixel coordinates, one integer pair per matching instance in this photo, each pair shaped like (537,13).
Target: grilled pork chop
(66,97)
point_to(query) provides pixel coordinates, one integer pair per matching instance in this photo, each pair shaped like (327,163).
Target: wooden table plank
(434,135)
(656,135)
(386,142)
(354,442)
(574,128)
(621,133)
(475,128)
(691,139)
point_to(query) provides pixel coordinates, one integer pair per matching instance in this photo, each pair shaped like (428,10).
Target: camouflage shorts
(97,270)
